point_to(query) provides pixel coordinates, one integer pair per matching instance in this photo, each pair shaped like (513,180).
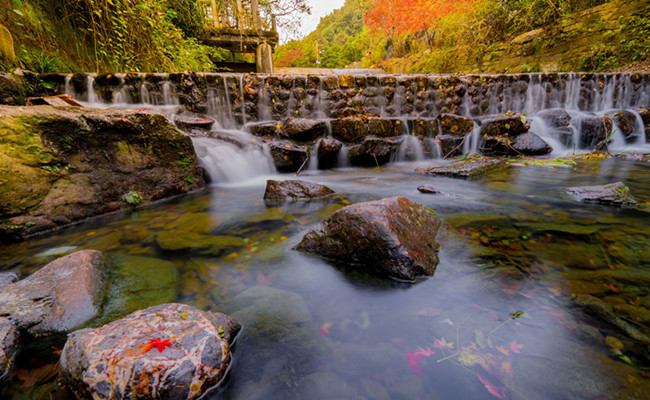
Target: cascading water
(235,100)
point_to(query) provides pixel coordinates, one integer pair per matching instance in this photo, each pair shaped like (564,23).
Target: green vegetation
(105,35)
(132,198)
(478,36)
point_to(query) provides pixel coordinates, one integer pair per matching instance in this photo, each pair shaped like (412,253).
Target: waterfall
(234,100)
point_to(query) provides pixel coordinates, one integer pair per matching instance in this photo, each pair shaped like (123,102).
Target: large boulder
(328,152)
(393,237)
(63,164)
(530,144)
(349,129)
(372,152)
(303,129)
(614,194)
(295,190)
(8,347)
(59,297)
(170,351)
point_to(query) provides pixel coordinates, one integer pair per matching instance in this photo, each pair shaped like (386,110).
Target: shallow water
(514,243)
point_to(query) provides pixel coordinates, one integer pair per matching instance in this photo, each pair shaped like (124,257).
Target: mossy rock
(7,53)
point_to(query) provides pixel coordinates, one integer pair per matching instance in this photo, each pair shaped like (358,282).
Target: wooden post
(240,15)
(264,58)
(255,10)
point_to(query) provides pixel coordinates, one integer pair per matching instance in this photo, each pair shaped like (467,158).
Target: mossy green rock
(6,45)
(137,283)
(59,165)
(191,241)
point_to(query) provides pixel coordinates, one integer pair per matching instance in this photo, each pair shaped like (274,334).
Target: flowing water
(508,313)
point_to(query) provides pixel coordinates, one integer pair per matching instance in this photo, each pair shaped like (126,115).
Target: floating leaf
(515,347)
(325,329)
(503,350)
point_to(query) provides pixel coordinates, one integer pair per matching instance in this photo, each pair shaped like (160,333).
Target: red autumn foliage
(410,16)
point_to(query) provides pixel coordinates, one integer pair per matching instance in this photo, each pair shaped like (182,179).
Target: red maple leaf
(155,343)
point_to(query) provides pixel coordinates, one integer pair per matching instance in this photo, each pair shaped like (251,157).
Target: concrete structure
(240,29)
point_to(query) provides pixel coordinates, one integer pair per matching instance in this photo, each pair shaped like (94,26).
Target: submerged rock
(303,129)
(7,278)
(287,156)
(614,194)
(171,351)
(429,189)
(393,237)
(59,297)
(8,347)
(470,167)
(65,164)
(295,190)
(530,144)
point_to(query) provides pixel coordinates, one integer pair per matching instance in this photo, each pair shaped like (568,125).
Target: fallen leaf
(503,350)
(325,329)
(515,347)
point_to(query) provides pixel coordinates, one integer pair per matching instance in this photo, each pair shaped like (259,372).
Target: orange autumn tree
(406,17)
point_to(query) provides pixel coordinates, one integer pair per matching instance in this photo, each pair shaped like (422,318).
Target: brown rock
(59,297)
(328,150)
(295,190)
(455,125)
(349,129)
(287,156)
(393,237)
(8,347)
(118,361)
(303,129)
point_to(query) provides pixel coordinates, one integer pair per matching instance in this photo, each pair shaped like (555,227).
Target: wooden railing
(236,14)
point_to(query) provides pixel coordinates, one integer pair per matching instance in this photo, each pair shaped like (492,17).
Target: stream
(509,312)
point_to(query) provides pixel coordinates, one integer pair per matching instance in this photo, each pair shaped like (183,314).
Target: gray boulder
(530,144)
(393,237)
(170,351)
(8,344)
(7,277)
(614,194)
(59,297)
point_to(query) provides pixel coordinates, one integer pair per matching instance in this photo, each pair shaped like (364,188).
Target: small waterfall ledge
(569,111)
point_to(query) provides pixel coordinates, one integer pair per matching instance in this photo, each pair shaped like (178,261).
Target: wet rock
(384,127)
(59,297)
(614,194)
(189,122)
(8,347)
(504,125)
(295,190)
(303,129)
(393,237)
(270,128)
(468,168)
(349,129)
(136,283)
(287,156)
(530,144)
(372,152)
(194,360)
(12,90)
(328,151)
(645,118)
(79,163)
(429,189)
(450,145)
(7,277)
(555,117)
(594,131)
(62,100)
(626,122)
(455,125)
(494,146)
